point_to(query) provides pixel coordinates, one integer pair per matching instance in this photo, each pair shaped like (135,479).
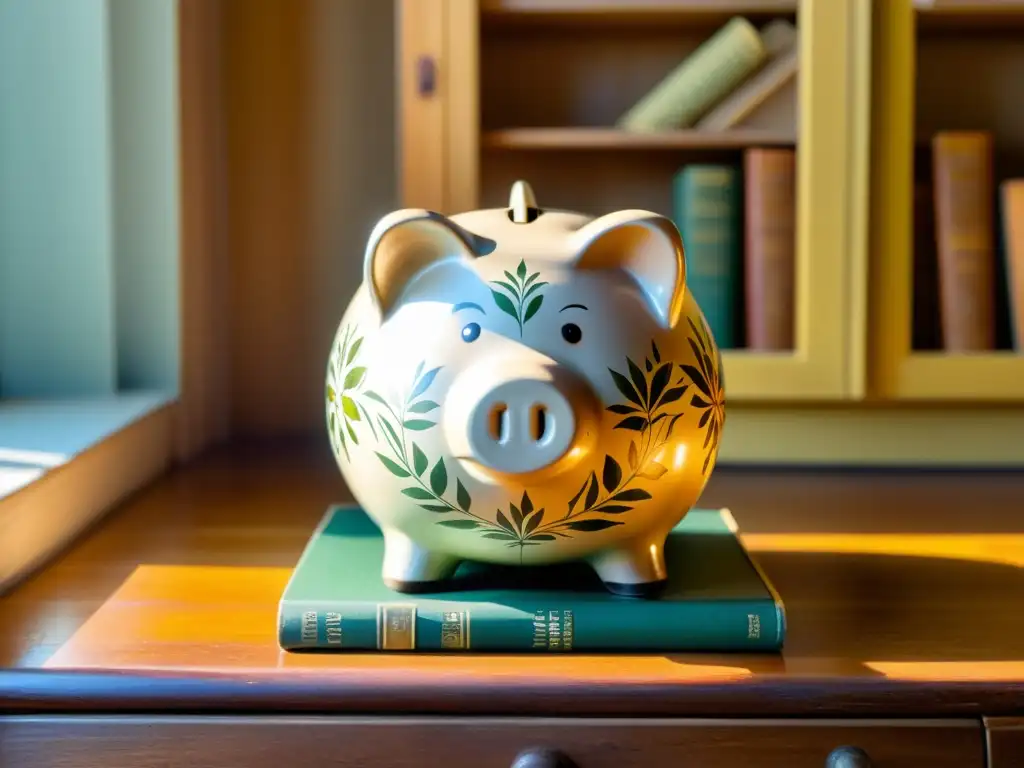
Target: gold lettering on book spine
(309,628)
(553,630)
(332,623)
(455,630)
(396,627)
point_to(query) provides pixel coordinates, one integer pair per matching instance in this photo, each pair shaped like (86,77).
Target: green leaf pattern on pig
(651,409)
(653,403)
(344,380)
(710,400)
(430,482)
(524,297)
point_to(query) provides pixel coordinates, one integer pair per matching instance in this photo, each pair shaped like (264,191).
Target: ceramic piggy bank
(524,386)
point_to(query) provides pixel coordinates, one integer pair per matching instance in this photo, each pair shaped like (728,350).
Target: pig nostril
(538,422)
(498,423)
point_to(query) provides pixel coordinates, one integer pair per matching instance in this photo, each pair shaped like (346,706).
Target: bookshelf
(939,66)
(533,90)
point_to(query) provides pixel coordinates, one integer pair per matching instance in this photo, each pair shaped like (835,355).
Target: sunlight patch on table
(950,671)
(996,548)
(223,619)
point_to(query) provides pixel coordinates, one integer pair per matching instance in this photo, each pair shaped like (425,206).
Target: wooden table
(153,641)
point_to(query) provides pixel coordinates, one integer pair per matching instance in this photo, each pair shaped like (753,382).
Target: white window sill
(37,436)
(63,464)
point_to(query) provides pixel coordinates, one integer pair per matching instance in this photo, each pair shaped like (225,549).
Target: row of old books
(738,226)
(724,81)
(969,249)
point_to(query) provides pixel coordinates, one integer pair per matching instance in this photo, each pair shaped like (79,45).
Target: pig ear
(405,243)
(648,247)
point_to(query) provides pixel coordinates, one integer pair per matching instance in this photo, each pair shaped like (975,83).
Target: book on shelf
(700,81)
(964,197)
(968,260)
(738,225)
(1011,193)
(707,206)
(716,599)
(769,251)
(926,333)
(782,57)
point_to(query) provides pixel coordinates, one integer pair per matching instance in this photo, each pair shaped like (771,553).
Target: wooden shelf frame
(443,147)
(634,7)
(562,138)
(688,13)
(641,12)
(898,372)
(964,8)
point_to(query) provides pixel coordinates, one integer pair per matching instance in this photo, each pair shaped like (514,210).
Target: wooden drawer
(1005,742)
(470,742)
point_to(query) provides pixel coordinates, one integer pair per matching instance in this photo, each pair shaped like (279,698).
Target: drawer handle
(848,757)
(542,758)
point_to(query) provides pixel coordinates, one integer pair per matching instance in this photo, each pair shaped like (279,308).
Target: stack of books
(738,220)
(969,249)
(717,599)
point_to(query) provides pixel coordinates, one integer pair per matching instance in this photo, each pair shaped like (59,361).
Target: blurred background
(185,193)
(186,188)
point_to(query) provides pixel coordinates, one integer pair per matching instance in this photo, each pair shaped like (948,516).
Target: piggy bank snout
(512,417)
(521,425)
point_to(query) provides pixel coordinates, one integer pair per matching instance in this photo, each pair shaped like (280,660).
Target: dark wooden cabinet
(483,742)
(1005,741)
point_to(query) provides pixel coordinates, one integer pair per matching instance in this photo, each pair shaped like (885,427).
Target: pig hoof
(637,570)
(646,590)
(410,568)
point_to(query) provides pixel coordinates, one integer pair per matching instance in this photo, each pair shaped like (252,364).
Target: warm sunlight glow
(955,671)
(1001,548)
(220,617)
(679,457)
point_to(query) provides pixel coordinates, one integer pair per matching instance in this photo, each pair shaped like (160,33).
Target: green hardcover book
(707,203)
(701,81)
(717,599)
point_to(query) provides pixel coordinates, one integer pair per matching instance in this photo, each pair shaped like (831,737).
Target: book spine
(633,625)
(962,172)
(707,205)
(782,52)
(927,333)
(1012,214)
(770,247)
(702,80)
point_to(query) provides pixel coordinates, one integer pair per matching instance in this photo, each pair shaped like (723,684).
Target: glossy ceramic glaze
(525,386)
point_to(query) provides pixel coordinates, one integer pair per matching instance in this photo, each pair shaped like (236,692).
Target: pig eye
(470,332)
(572,333)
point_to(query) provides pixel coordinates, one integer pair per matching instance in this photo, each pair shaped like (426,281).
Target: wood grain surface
(479,742)
(1005,742)
(900,591)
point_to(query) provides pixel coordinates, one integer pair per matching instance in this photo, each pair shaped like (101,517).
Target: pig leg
(408,567)
(633,568)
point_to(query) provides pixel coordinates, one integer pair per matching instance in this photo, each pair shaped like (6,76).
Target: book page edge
(780,606)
